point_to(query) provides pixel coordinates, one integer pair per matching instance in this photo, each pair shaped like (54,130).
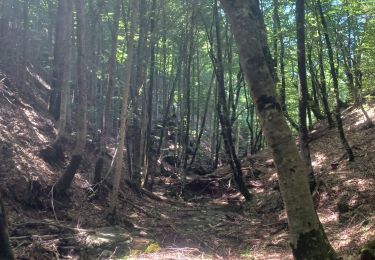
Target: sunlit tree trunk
(307,237)
(125,96)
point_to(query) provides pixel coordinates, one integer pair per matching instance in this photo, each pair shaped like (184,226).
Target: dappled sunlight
(360,184)
(32,72)
(327,216)
(318,159)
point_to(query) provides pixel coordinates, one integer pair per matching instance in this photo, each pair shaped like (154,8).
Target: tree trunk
(62,32)
(137,138)
(203,122)
(323,83)
(280,37)
(314,101)
(226,128)
(307,237)
(303,90)
(333,71)
(65,73)
(106,124)
(149,173)
(66,179)
(124,108)
(5,248)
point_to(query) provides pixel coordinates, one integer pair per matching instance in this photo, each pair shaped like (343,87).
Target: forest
(175,129)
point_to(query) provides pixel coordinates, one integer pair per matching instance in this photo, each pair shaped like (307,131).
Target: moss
(313,245)
(152,248)
(368,251)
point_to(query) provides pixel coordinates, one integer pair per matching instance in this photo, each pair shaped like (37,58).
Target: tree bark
(340,127)
(106,124)
(5,248)
(307,237)
(303,91)
(124,108)
(62,32)
(65,73)
(280,37)
(323,83)
(223,113)
(66,179)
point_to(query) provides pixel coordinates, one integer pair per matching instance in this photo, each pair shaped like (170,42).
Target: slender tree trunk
(167,109)
(340,127)
(5,247)
(307,237)
(106,129)
(280,37)
(303,90)
(203,121)
(66,179)
(25,42)
(323,83)
(315,106)
(112,62)
(62,31)
(137,141)
(149,173)
(124,108)
(65,73)
(226,128)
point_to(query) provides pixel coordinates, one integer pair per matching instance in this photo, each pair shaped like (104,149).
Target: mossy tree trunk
(307,237)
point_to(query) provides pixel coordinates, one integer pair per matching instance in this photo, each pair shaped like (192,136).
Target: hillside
(215,224)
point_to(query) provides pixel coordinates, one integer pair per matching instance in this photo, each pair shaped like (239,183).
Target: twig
(52,204)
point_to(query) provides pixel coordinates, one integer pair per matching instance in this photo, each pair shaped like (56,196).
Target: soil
(213,222)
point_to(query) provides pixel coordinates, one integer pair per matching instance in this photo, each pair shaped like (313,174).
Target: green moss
(152,248)
(368,251)
(313,245)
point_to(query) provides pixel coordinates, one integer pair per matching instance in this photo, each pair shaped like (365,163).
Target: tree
(66,179)
(63,25)
(5,248)
(106,123)
(307,237)
(303,90)
(226,127)
(340,127)
(125,97)
(62,82)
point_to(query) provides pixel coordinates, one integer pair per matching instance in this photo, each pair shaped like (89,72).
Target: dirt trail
(208,227)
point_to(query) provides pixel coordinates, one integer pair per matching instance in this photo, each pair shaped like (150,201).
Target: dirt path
(210,226)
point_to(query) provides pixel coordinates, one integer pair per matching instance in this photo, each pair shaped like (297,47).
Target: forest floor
(214,224)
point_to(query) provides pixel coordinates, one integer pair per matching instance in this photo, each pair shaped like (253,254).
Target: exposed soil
(216,223)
